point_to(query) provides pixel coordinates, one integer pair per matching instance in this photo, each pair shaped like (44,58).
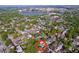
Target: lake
(33,13)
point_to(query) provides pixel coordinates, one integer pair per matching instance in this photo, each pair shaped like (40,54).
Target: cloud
(39,2)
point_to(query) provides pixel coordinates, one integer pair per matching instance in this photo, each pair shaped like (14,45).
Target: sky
(39,2)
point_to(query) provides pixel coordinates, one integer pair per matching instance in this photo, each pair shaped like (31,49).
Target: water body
(39,6)
(33,13)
